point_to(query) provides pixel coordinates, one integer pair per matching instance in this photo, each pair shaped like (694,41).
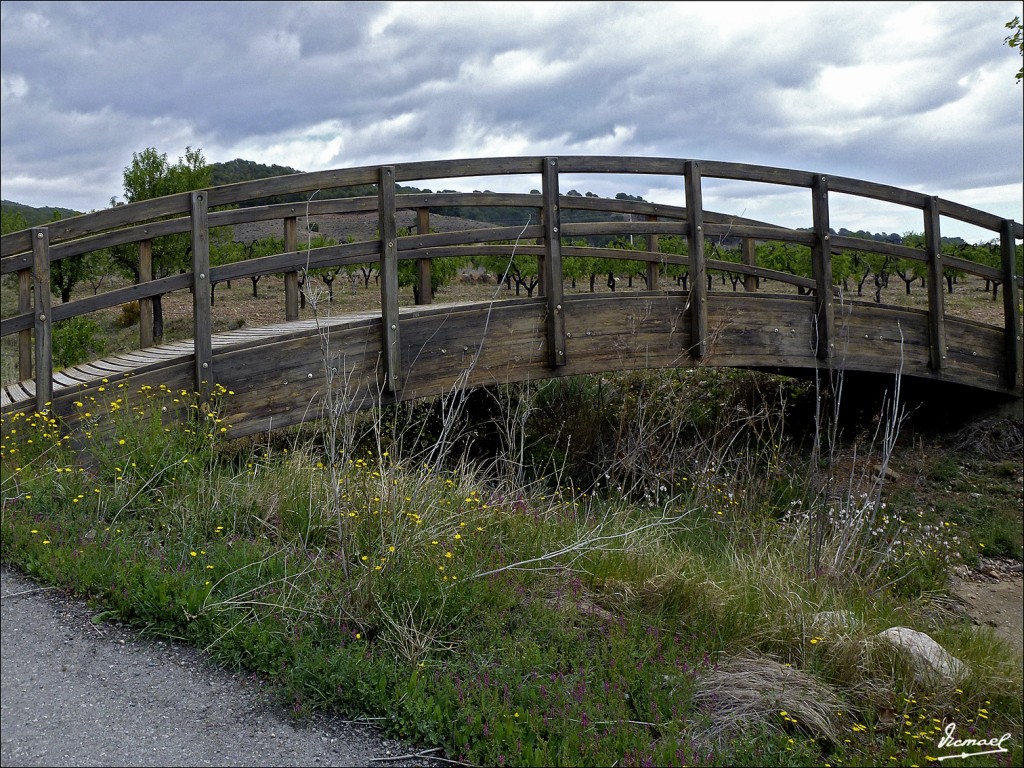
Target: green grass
(524,607)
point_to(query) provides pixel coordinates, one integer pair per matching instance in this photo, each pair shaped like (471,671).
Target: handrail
(31,252)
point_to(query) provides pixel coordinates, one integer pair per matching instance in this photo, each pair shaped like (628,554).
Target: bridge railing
(31,253)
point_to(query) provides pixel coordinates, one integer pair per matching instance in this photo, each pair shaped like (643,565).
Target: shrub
(130,314)
(75,341)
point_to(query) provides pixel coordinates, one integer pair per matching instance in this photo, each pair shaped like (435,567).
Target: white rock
(930,660)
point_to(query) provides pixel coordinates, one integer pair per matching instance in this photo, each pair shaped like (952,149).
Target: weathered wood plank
(653,266)
(145,303)
(821,267)
(43,316)
(202,320)
(978,218)
(391,340)
(936,296)
(424,285)
(16,243)
(698,272)
(748,248)
(552,272)
(119,216)
(1012,335)
(291,277)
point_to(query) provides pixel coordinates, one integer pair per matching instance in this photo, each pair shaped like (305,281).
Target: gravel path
(77,694)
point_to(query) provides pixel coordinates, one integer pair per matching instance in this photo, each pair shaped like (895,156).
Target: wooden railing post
(291,279)
(146,304)
(821,266)
(698,270)
(749,250)
(202,319)
(1011,305)
(389,278)
(552,275)
(24,337)
(424,288)
(653,266)
(936,297)
(43,322)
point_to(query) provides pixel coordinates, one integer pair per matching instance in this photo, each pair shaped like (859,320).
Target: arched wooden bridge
(280,373)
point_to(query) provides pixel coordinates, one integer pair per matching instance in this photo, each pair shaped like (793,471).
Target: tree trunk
(158,318)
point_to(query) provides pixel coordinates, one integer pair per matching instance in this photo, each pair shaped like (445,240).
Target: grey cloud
(106,79)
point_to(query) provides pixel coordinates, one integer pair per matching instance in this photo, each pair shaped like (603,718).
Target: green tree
(12,221)
(66,273)
(1014,40)
(785,257)
(151,175)
(675,245)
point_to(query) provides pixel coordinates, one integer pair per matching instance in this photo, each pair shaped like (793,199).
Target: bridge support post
(552,272)
(653,266)
(936,298)
(145,305)
(1011,305)
(391,350)
(821,265)
(749,249)
(698,270)
(24,337)
(291,279)
(202,319)
(424,288)
(43,320)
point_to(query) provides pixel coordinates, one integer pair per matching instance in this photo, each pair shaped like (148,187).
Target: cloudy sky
(916,95)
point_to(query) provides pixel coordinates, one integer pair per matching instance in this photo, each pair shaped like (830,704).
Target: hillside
(18,216)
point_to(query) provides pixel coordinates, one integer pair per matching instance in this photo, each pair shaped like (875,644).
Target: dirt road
(74,693)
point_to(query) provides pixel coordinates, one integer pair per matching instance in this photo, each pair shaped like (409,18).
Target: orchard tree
(151,175)
(67,273)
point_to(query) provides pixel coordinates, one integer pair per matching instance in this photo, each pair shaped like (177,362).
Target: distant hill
(238,169)
(17,216)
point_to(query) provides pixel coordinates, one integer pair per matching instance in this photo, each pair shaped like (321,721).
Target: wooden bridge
(279,374)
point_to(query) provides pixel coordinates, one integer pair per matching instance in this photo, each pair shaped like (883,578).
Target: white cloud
(14,88)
